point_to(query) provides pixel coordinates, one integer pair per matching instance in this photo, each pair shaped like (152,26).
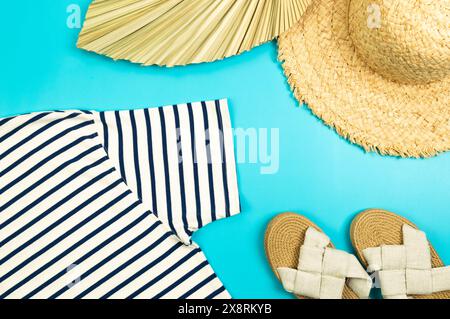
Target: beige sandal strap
(322,271)
(406,269)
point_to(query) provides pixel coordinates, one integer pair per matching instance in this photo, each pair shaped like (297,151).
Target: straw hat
(378,71)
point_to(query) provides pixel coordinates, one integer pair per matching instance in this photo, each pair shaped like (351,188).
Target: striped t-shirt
(76,194)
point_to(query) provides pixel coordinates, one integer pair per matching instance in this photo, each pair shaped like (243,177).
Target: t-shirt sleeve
(178,159)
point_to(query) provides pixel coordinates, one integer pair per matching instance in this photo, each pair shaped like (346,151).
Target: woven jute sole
(376,227)
(284,236)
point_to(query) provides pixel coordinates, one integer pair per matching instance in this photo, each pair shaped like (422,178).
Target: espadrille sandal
(407,264)
(304,260)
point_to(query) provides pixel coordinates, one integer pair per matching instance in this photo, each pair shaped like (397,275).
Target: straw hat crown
(407,41)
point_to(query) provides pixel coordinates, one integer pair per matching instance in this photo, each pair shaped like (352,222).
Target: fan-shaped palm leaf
(179,32)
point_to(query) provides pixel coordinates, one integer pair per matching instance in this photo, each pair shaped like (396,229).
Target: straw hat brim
(325,71)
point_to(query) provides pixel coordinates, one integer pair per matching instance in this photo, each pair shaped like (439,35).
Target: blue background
(321,175)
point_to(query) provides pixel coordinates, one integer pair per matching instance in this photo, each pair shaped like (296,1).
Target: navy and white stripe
(178,159)
(71,228)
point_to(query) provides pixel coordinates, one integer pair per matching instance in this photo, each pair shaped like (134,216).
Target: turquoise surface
(320,175)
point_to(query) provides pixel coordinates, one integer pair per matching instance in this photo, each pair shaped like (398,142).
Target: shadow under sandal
(304,260)
(407,264)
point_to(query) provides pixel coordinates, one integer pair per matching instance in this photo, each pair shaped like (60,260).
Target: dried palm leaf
(179,32)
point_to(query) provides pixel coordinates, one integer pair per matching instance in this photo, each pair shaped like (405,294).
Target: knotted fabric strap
(406,269)
(322,271)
